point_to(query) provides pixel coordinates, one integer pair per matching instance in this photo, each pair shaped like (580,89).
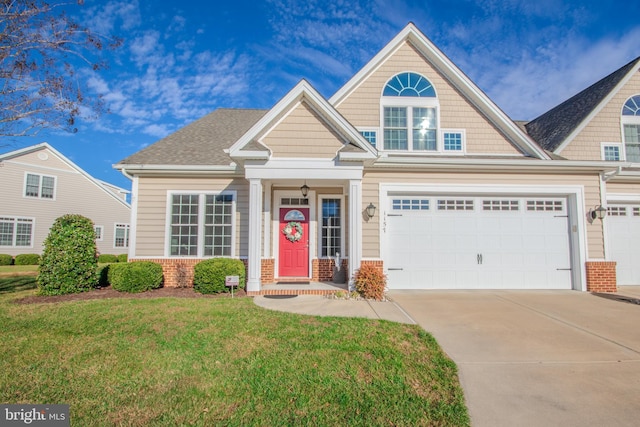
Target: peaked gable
(317,112)
(556,128)
(410,38)
(31,153)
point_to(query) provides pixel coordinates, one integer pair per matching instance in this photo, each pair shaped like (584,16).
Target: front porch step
(292,292)
(305,287)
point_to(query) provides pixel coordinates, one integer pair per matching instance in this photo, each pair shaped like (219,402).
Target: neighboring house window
(612,152)
(409,114)
(371,136)
(201,225)
(331,228)
(99,232)
(121,239)
(16,231)
(631,128)
(41,186)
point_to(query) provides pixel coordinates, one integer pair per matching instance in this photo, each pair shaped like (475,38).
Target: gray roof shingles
(201,142)
(552,128)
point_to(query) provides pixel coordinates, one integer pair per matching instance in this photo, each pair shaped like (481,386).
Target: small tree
(69,261)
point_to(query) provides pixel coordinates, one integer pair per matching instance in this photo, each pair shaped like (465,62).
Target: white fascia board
(259,155)
(354,156)
(455,76)
(597,110)
(207,168)
(303,169)
(458,163)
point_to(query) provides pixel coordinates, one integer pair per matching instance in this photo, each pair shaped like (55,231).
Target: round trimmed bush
(209,276)
(135,276)
(27,259)
(69,262)
(107,258)
(123,258)
(6,259)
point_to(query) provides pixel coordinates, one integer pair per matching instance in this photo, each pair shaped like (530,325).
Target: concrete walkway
(538,358)
(319,305)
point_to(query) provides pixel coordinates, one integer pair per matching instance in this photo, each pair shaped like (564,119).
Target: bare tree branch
(41,51)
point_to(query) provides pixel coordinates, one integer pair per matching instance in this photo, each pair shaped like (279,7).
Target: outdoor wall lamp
(304,190)
(371,210)
(599,212)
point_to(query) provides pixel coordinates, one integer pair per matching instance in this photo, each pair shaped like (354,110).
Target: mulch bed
(108,292)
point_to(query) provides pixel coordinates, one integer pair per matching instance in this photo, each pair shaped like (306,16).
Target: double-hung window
(39,186)
(631,129)
(121,236)
(201,225)
(16,232)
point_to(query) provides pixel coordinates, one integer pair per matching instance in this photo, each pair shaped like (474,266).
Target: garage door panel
(623,229)
(504,248)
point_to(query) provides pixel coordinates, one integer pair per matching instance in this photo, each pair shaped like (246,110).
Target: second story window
(39,186)
(631,129)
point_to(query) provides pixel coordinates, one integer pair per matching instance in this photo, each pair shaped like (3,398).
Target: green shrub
(370,282)
(135,276)
(123,258)
(6,259)
(209,275)
(107,258)
(27,259)
(69,263)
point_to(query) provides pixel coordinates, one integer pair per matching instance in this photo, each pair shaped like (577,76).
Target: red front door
(294,242)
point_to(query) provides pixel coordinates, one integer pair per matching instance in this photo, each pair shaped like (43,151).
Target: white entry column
(355,228)
(255,231)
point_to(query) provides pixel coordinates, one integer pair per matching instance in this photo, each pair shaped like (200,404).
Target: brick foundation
(379,264)
(601,276)
(267,271)
(178,273)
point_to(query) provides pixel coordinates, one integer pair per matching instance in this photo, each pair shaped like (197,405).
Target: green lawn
(221,361)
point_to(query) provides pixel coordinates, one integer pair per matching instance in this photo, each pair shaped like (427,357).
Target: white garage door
(477,243)
(623,229)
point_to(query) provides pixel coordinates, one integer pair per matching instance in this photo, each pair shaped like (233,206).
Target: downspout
(604,177)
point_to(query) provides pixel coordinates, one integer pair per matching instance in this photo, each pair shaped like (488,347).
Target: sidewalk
(318,305)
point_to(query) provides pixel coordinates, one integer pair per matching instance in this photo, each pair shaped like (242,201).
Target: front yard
(213,361)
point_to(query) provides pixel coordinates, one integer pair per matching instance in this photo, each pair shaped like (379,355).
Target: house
(409,167)
(39,184)
(603,123)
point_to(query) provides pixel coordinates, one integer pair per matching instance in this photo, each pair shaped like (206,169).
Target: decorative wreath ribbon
(292,231)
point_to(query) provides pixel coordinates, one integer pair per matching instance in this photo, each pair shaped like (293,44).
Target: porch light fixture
(599,212)
(304,190)
(371,210)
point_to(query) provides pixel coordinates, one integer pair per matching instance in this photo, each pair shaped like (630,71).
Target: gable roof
(555,128)
(455,77)
(112,190)
(303,91)
(202,142)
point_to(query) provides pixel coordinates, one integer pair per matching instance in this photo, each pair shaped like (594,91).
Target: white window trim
(14,236)
(200,249)
(463,149)
(127,236)
(101,232)
(620,146)
(626,120)
(372,129)
(321,198)
(409,102)
(39,197)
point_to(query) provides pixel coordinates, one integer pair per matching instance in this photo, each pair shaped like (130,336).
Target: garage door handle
(479,258)
(564,269)
(395,269)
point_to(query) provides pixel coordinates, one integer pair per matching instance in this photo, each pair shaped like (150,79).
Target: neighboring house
(38,184)
(409,167)
(603,123)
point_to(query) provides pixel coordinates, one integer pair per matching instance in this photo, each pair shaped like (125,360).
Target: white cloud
(157,130)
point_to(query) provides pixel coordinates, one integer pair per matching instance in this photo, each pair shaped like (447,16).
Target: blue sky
(182,60)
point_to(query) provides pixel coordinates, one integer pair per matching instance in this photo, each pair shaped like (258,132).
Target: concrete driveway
(538,358)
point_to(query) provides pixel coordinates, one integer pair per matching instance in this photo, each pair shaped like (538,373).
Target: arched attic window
(410,117)
(631,128)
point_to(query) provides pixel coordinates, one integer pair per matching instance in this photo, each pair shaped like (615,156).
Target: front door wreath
(292,231)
